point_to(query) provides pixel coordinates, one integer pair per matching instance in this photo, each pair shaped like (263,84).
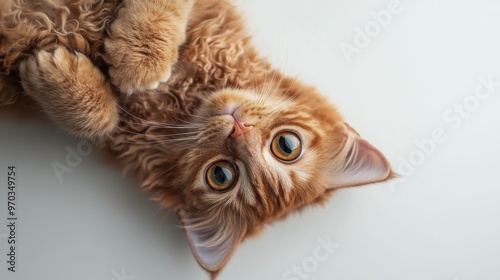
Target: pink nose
(240,128)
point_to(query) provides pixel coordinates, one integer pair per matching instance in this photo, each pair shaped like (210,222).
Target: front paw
(71,91)
(140,57)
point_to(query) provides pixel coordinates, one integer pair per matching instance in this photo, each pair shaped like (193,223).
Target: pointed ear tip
(214,274)
(393,175)
(390,176)
(215,269)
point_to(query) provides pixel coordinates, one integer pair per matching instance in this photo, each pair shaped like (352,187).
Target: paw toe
(153,85)
(28,69)
(44,59)
(165,78)
(127,90)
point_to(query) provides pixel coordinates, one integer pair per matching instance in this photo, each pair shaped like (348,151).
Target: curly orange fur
(31,25)
(169,135)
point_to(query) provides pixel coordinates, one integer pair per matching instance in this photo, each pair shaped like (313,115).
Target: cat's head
(259,157)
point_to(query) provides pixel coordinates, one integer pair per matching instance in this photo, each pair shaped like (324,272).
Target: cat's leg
(71,91)
(143,42)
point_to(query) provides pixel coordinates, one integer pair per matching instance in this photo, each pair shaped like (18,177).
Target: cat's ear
(358,162)
(212,239)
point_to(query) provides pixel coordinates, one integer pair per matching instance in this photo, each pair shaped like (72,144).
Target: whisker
(155,142)
(305,86)
(161,135)
(283,71)
(150,123)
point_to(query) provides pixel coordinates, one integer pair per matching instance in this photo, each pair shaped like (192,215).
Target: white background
(441,222)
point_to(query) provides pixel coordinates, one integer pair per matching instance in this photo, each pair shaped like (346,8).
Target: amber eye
(286,146)
(221,175)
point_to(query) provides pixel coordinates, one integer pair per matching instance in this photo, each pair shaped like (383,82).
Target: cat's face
(258,158)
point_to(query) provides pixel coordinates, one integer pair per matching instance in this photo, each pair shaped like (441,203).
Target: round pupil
(221,175)
(288,144)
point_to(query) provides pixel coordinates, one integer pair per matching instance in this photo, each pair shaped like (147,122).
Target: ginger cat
(175,90)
